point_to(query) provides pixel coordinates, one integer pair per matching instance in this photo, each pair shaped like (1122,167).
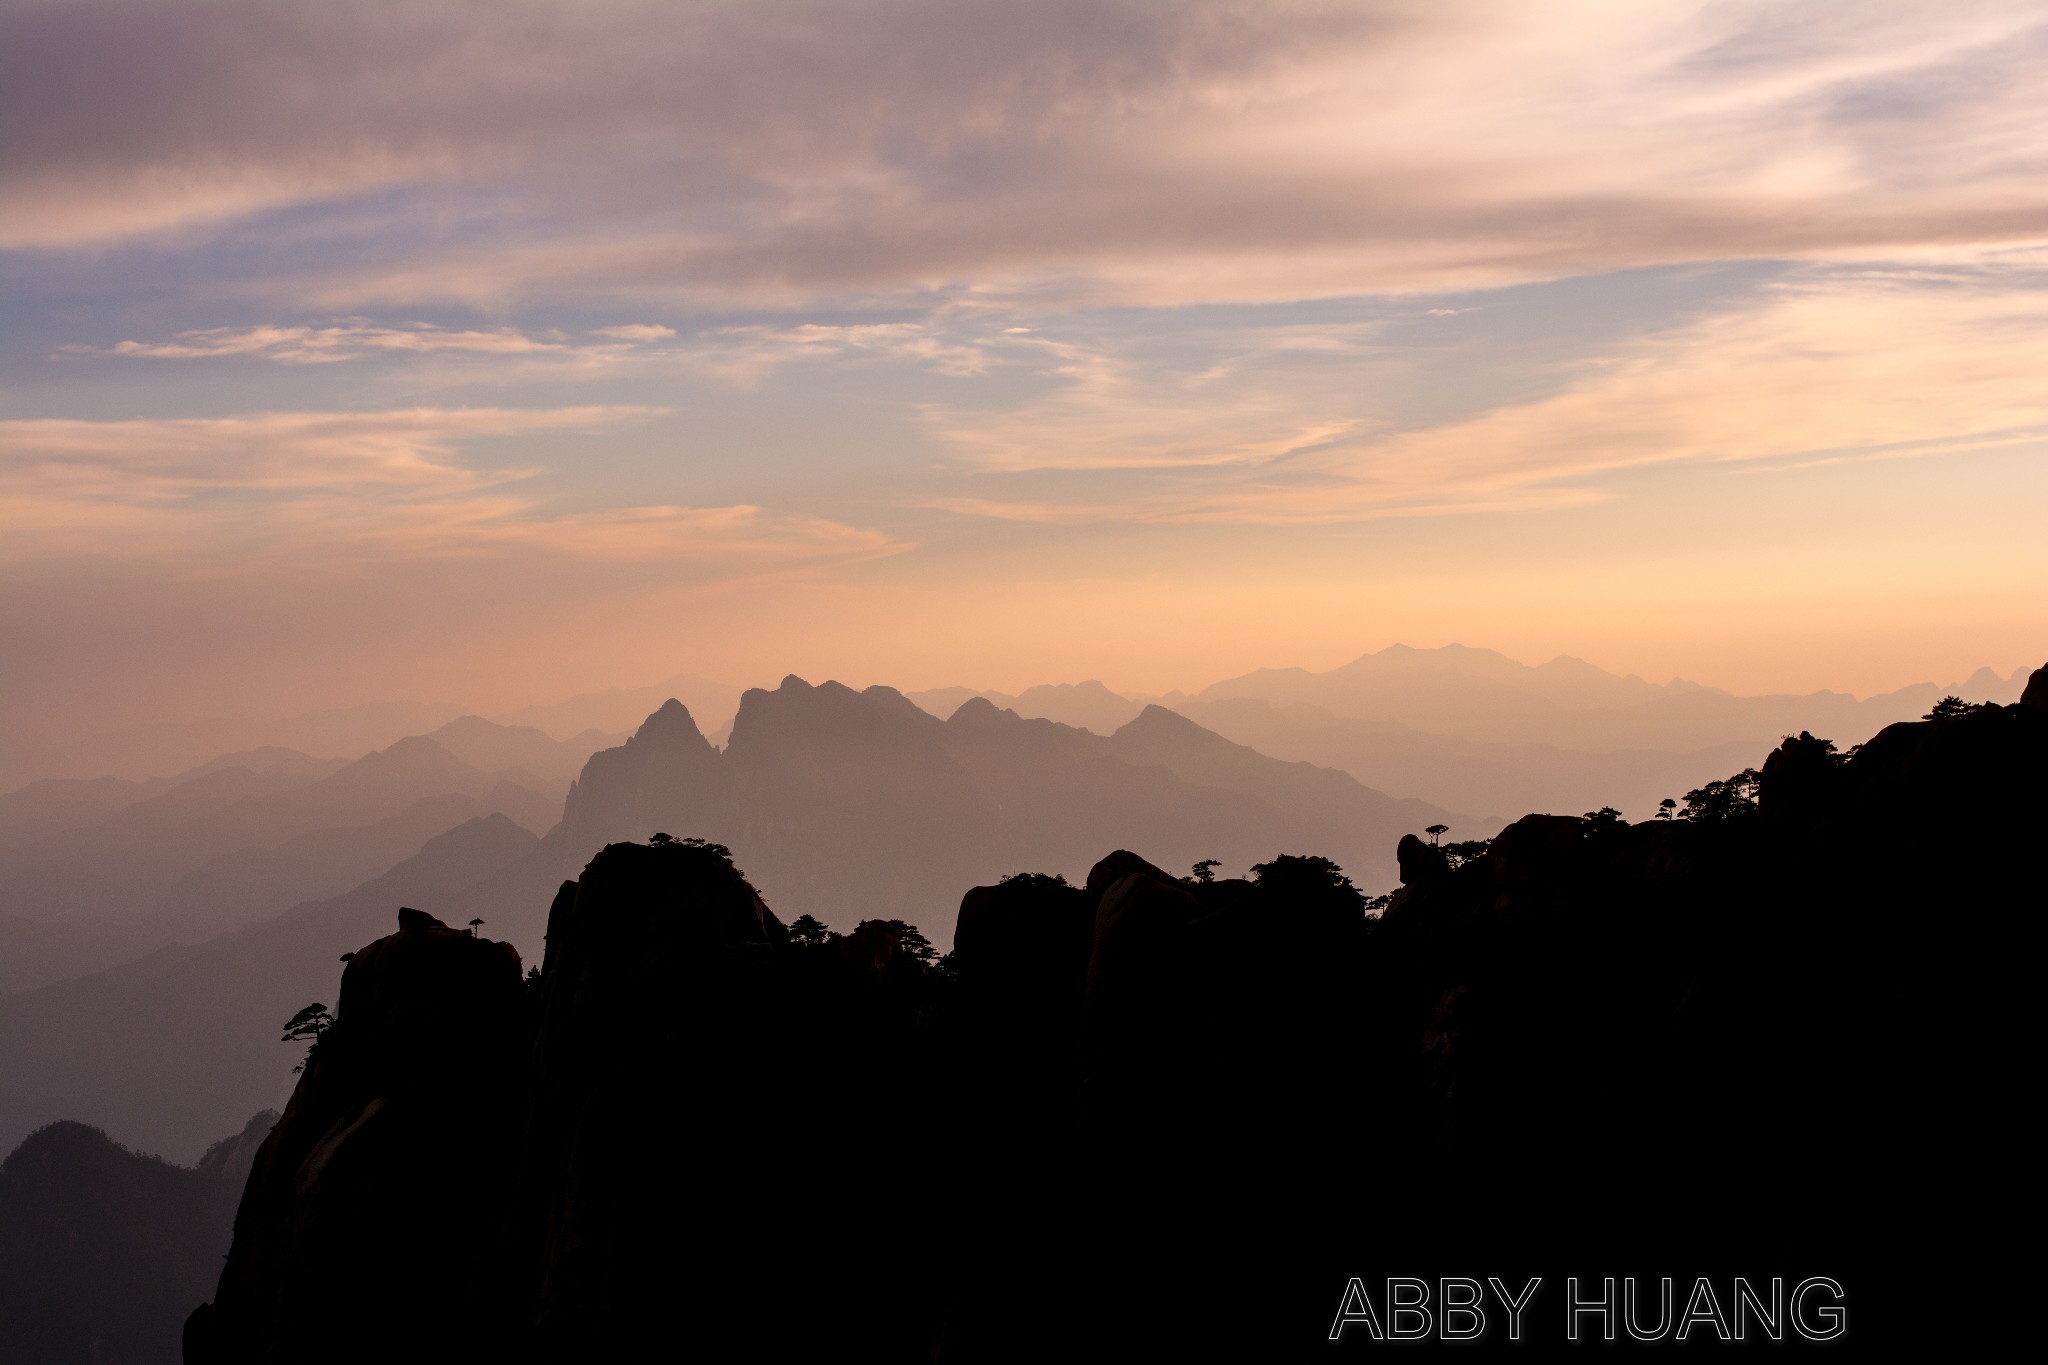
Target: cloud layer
(1823,365)
(380,346)
(262,492)
(1143,152)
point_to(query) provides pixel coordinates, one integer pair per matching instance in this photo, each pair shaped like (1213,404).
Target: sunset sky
(493,352)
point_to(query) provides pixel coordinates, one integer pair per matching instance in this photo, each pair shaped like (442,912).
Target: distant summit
(1520,1042)
(1483,696)
(1084,705)
(861,804)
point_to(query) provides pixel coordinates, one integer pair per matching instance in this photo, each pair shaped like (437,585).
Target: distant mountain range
(841,804)
(166,1050)
(860,804)
(147,943)
(1475,730)
(95,872)
(143,752)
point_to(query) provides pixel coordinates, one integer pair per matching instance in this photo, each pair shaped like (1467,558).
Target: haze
(490,353)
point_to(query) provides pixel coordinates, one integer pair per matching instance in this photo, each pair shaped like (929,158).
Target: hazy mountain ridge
(1084,705)
(1465,774)
(853,805)
(1523,1039)
(228,844)
(1486,697)
(848,804)
(864,805)
(164,1050)
(1474,730)
(171,751)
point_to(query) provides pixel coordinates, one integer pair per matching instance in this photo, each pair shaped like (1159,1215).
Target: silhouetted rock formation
(159,1049)
(857,804)
(232,1158)
(371,1216)
(1153,1116)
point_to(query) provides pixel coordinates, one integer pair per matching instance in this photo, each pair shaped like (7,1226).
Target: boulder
(1119,865)
(1420,863)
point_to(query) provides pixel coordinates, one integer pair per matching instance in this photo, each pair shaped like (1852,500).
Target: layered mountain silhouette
(863,805)
(161,751)
(1711,1046)
(1083,705)
(167,1049)
(1488,698)
(857,805)
(92,873)
(1088,1055)
(1472,730)
(101,1246)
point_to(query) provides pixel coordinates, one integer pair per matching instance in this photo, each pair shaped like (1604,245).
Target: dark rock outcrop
(1155,1117)
(232,1158)
(370,1224)
(1419,862)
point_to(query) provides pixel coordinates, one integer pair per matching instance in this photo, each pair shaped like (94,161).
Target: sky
(499,351)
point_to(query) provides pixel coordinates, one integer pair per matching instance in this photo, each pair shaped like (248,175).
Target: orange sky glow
(492,353)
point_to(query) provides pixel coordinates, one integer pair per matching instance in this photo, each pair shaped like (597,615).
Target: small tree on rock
(1727,799)
(808,931)
(1466,851)
(1309,879)
(308,1026)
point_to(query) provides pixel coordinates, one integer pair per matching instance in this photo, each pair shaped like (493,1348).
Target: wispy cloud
(1823,367)
(1128,152)
(635,331)
(1108,413)
(354,340)
(252,492)
(748,354)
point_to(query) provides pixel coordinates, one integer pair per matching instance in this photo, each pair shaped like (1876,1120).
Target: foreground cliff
(1162,1114)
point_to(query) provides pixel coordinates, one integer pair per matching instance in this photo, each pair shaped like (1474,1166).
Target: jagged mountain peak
(826,715)
(668,726)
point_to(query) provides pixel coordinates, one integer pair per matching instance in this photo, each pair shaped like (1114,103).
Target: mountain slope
(171,1049)
(236,844)
(102,1248)
(1486,697)
(1084,705)
(857,805)
(1462,774)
